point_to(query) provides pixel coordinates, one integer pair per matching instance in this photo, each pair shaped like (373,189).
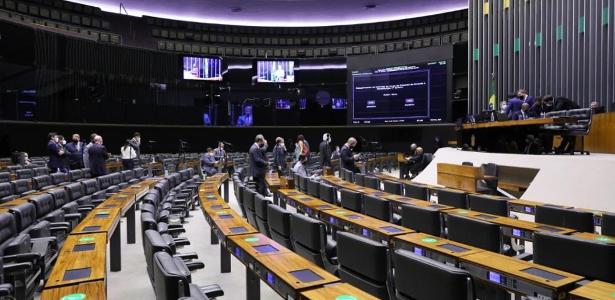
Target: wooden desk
(511,123)
(114,166)
(336,291)
(126,202)
(518,276)
(397,201)
(275,183)
(511,227)
(360,224)
(248,245)
(95,290)
(459,176)
(529,207)
(440,249)
(104,221)
(595,290)
(595,237)
(305,203)
(93,262)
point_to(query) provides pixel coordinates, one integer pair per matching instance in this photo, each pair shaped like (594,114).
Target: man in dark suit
(514,106)
(324,150)
(524,113)
(259,163)
(55,153)
(348,159)
(98,157)
(75,148)
(523,95)
(417,162)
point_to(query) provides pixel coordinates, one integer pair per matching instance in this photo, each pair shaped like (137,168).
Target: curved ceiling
(281,13)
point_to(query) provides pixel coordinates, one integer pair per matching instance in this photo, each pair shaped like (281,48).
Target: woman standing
(128,156)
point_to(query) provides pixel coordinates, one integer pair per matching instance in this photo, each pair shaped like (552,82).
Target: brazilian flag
(493,89)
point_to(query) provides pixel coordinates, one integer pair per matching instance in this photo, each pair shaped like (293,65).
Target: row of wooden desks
(515,275)
(80,270)
(289,274)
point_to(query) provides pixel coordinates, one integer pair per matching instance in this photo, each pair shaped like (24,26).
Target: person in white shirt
(299,167)
(128,156)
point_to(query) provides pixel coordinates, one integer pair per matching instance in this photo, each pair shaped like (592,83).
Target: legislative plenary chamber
(307,149)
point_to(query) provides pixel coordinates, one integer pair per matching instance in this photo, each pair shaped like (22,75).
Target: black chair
(278,220)
(422,219)
(22,187)
(303,182)
(608,224)
(327,193)
(377,208)
(592,259)
(421,278)
(260,208)
(416,191)
(24,174)
(582,221)
(154,242)
(172,280)
(392,187)
(41,171)
(310,240)
(474,232)
(489,184)
(363,263)
(371,182)
(359,179)
(313,188)
(453,198)
(47,211)
(489,204)
(75,175)
(348,175)
(248,202)
(240,192)
(583,117)
(351,200)
(41,182)
(59,178)
(5,177)
(86,173)
(6,192)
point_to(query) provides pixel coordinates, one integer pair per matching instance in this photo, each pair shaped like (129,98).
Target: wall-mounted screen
(282,104)
(339,103)
(275,71)
(202,68)
(413,93)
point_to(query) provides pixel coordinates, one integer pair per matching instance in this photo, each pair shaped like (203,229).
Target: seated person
(538,108)
(597,108)
(208,162)
(404,167)
(523,114)
(299,167)
(417,162)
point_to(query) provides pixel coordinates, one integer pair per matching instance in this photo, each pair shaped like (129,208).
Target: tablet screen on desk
(110,206)
(305,198)
(548,228)
(436,206)
(265,249)
(216,207)
(453,248)
(225,216)
(76,274)
(101,216)
(84,247)
(391,229)
(543,274)
(238,229)
(91,228)
(324,206)
(306,275)
(353,217)
(486,217)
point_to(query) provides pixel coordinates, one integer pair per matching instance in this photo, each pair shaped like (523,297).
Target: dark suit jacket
(562,103)
(325,154)
(98,156)
(530,100)
(258,161)
(519,115)
(514,105)
(279,156)
(347,159)
(55,160)
(75,156)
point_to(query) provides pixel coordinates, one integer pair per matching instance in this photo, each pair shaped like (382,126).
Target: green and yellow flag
(493,90)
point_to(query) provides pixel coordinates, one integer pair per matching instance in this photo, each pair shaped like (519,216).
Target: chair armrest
(84,210)
(187,255)
(75,216)
(212,291)
(180,242)
(6,289)
(524,256)
(61,229)
(176,231)
(21,257)
(59,224)
(195,265)
(17,267)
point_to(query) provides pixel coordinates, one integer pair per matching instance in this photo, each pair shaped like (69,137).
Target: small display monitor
(495,277)
(302,103)
(391,229)
(516,232)
(543,274)
(419,251)
(454,248)
(276,71)
(225,216)
(91,228)
(238,229)
(339,103)
(282,104)
(202,68)
(353,217)
(306,275)
(216,207)
(75,274)
(101,216)
(265,249)
(84,247)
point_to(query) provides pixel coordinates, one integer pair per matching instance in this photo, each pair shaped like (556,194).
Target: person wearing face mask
(86,153)
(64,158)
(208,162)
(98,157)
(135,143)
(259,163)
(325,151)
(279,155)
(75,148)
(347,157)
(55,153)
(503,106)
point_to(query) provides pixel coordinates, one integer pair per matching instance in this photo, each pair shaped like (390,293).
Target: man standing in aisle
(98,156)
(259,163)
(348,159)
(86,153)
(325,151)
(75,148)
